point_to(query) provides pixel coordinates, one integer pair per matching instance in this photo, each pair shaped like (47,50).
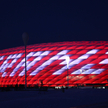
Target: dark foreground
(71,98)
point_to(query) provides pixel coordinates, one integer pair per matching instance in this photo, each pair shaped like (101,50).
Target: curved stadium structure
(56,64)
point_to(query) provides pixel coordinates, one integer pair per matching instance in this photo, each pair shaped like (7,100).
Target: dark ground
(71,98)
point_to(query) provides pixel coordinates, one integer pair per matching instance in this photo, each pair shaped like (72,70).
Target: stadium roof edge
(57,44)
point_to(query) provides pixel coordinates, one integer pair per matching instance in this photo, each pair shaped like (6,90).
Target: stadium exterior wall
(47,62)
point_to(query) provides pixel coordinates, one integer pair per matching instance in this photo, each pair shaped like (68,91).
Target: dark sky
(52,21)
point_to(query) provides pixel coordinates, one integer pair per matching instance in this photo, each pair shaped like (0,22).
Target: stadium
(59,64)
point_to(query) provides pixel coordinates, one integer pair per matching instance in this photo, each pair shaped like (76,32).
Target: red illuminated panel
(87,64)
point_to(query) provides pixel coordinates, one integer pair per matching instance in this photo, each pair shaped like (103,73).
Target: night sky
(52,21)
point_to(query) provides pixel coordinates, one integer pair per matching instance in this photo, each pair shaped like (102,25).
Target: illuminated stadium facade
(56,64)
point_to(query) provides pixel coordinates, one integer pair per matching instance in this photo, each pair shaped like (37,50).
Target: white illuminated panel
(64,62)
(76,72)
(37,53)
(88,66)
(31,64)
(56,57)
(77,61)
(98,71)
(63,52)
(19,55)
(38,58)
(104,61)
(45,53)
(22,73)
(34,72)
(11,64)
(41,67)
(30,54)
(10,56)
(63,57)
(1,58)
(4,74)
(20,64)
(17,67)
(89,71)
(64,67)
(14,56)
(27,62)
(106,53)
(82,71)
(46,63)
(85,56)
(59,72)
(5,61)
(3,65)
(94,51)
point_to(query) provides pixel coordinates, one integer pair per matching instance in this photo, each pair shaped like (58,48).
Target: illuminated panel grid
(88,64)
